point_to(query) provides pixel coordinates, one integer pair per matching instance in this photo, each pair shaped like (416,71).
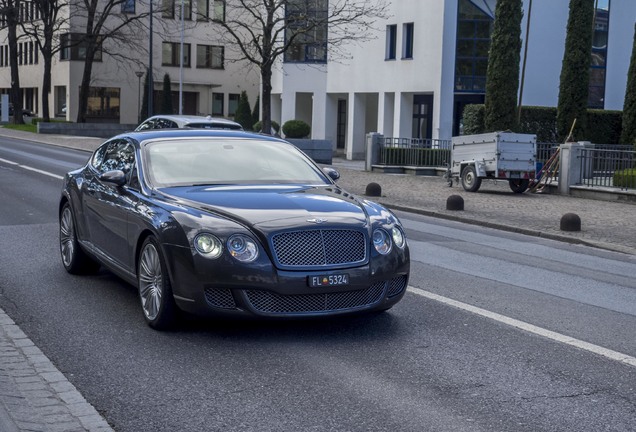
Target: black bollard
(570,222)
(373,189)
(455,202)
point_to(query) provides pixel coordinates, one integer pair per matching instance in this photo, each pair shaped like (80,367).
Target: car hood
(274,207)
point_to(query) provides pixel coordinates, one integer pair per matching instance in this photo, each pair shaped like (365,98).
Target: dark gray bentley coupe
(229,223)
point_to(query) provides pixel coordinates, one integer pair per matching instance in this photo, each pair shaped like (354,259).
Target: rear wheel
(155,290)
(470,181)
(75,260)
(519,186)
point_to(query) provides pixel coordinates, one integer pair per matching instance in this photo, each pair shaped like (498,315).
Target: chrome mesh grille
(319,247)
(269,302)
(396,286)
(220,298)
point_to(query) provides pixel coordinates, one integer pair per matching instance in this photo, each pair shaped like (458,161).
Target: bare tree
(264,30)
(10,11)
(45,32)
(106,30)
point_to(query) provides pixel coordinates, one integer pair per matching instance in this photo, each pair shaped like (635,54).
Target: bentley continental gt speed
(229,223)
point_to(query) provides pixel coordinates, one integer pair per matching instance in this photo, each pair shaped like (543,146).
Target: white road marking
(557,337)
(26,167)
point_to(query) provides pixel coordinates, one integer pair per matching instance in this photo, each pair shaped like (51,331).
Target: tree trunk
(47,57)
(16,97)
(85,86)
(266,98)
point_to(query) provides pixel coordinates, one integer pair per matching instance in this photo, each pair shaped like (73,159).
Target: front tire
(155,289)
(519,186)
(470,181)
(74,259)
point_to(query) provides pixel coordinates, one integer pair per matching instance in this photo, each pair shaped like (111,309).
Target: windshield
(204,161)
(208,125)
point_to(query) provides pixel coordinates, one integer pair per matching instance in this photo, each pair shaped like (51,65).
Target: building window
(187,10)
(474,27)
(170,54)
(219,10)
(128,7)
(203,10)
(598,65)
(217,104)
(232,104)
(391,42)
(306,31)
(103,102)
(167,9)
(210,57)
(407,41)
(74,47)
(60,101)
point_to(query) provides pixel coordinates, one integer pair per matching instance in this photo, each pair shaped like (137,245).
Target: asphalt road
(427,365)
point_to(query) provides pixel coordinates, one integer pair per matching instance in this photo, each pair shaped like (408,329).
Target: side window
(118,155)
(98,157)
(165,124)
(146,125)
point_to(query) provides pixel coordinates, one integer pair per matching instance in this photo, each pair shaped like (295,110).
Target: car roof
(155,134)
(185,119)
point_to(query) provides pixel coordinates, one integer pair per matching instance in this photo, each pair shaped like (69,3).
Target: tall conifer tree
(628,134)
(502,82)
(575,70)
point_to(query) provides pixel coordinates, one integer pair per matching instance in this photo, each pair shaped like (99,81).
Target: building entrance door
(422,116)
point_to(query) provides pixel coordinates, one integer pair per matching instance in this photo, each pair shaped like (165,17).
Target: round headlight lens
(398,237)
(381,241)
(208,245)
(242,248)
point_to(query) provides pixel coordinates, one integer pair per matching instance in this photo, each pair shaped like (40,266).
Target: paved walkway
(34,395)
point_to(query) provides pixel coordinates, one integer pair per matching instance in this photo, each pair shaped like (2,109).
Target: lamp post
(139,75)
(181,60)
(151,83)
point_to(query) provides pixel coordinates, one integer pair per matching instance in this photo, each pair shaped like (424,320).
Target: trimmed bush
(625,178)
(474,119)
(259,124)
(296,129)
(243,114)
(540,121)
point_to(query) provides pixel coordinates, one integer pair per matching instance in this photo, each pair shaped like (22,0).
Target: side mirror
(116,177)
(332,173)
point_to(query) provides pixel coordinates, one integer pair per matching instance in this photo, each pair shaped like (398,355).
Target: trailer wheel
(519,186)
(470,181)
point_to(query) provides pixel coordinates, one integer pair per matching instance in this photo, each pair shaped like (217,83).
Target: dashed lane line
(557,337)
(26,167)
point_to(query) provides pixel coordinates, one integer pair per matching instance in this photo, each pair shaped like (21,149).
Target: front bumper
(219,288)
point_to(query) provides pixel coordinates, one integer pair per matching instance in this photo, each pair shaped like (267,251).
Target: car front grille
(269,302)
(319,248)
(220,298)
(396,286)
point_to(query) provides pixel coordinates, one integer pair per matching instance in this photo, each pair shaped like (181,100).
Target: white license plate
(328,280)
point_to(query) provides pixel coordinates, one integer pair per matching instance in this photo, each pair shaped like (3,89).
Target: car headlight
(398,237)
(242,248)
(381,241)
(208,245)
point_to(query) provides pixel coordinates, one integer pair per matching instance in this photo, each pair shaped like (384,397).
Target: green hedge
(414,157)
(604,126)
(625,178)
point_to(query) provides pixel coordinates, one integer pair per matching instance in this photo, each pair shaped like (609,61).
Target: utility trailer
(497,155)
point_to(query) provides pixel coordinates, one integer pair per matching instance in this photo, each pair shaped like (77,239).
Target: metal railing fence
(414,152)
(608,166)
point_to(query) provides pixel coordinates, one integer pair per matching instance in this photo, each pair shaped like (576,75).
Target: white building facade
(429,60)
(210,84)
